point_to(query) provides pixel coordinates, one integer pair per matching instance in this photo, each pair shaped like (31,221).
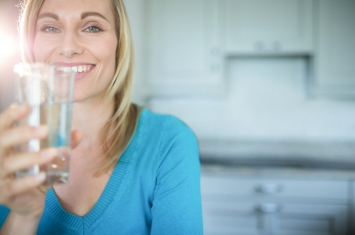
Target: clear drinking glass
(48,90)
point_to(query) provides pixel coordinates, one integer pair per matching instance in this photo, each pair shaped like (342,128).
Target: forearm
(20,225)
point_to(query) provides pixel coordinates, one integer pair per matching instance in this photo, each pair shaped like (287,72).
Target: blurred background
(9,53)
(268,87)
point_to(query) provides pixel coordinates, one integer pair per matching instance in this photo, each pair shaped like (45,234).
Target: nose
(70,45)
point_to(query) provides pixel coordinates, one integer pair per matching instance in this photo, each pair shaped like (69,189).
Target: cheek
(42,48)
(106,51)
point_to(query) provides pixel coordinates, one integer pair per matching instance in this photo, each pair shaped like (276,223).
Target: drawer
(219,184)
(233,217)
(228,217)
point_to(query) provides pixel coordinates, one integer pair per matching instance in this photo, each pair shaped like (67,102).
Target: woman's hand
(22,195)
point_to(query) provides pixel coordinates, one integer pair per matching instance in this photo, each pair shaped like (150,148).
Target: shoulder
(166,132)
(168,126)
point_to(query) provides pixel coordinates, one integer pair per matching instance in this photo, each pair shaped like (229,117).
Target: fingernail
(41,131)
(48,153)
(40,177)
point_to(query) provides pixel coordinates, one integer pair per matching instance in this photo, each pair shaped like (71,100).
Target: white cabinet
(184,53)
(306,218)
(335,46)
(225,216)
(189,42)
(272,26)
(273,206)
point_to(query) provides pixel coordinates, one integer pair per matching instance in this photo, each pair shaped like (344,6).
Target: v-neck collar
(112,188)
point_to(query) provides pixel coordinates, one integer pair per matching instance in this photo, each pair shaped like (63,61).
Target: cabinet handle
(268,208)
(269,188)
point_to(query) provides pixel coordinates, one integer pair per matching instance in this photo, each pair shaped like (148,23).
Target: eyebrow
(83,15)
(50,15)
(92,13)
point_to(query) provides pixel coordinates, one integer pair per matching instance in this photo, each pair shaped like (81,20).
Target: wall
(136,14)
(8,25)
(265,100)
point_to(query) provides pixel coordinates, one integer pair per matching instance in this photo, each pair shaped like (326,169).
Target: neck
(91,118)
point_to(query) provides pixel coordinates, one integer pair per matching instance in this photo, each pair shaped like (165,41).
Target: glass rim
(20,68)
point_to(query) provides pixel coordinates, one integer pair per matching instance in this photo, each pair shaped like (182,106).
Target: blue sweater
(154,188)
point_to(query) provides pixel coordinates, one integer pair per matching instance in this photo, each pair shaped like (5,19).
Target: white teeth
(64,69)
(77,69)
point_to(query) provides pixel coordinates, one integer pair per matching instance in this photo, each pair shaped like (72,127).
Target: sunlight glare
(7,46)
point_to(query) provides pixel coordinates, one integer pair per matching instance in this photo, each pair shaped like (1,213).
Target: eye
(93,29)
(49,29)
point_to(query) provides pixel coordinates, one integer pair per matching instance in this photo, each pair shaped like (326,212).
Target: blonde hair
(119,130)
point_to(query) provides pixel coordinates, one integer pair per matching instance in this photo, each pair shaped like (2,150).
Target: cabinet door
(222,184)
(229,217)
(273,26)
(303,219)
(183,51)
(335,53)
(273,206)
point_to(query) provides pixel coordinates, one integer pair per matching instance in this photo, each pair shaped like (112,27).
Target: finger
(13,114)
(8,116)
(76,137)
(18,186)
(20,135)
(26,160)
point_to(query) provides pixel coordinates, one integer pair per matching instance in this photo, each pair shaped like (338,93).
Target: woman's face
(80,34)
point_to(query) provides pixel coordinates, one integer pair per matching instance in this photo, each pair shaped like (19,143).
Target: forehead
(74,8)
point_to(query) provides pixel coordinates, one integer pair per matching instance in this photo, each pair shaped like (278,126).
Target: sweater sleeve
(176,206)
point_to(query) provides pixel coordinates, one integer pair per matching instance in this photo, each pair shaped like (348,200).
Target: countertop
(330,161)
(278,173)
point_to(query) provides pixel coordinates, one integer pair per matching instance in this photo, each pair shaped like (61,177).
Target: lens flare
(7,46)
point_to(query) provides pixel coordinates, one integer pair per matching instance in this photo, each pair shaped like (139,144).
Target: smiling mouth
(77,69)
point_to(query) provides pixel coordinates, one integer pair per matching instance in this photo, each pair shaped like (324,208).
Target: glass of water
(48,91)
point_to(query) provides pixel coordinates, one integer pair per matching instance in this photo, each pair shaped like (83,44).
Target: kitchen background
(268,86)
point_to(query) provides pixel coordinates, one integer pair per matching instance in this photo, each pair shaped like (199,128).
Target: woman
(132,171)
